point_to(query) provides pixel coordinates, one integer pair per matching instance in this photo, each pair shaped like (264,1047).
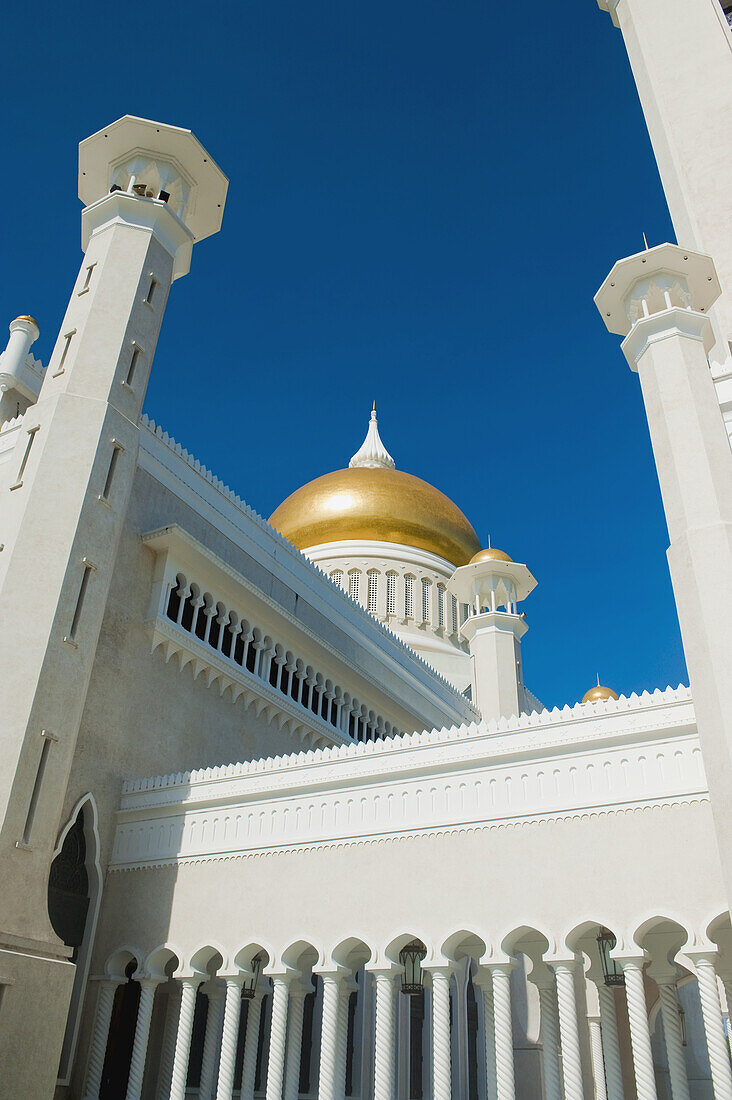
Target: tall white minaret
(150,192)
(492,584)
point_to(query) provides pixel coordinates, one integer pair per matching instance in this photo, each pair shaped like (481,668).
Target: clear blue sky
(425,195)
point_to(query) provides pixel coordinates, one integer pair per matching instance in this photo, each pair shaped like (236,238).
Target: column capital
(703,954)
(675,322)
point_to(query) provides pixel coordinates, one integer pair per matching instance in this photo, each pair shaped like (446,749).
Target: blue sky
(424,197)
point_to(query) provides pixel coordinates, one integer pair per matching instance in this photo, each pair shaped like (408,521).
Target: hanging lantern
(249,987)
(411,958)
(611,969)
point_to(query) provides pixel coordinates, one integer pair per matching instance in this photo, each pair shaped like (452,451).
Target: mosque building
(279,816)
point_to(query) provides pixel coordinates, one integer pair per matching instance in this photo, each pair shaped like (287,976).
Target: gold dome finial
(491,553)
(599,693)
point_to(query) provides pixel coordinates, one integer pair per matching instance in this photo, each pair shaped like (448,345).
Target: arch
(206,961)
(245,956)
(392,950)
(352,953)
(300,955)
(162,962)
(464,944)
(118,963)
(529,941)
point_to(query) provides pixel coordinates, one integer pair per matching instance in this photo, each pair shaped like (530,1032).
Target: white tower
(492,585)
(20,372)
(150,191)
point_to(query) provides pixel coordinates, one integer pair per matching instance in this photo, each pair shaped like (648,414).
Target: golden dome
(27,317)
(490,554)
(599,693)
(375,503)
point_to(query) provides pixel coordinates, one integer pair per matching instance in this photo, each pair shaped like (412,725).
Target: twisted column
(505,1087)
(598,1062)
(640,1037)
(172,1011)
(441,1068)
(571,1056)
(98,1049)
(211,1041)
(294,1043)
(674,1039)
(142,1034)
(183,1038)
(251,1043)
(484,982)
(229,1038)
(328,1037)
(550,1042)
(277,1036)
(347,988)
(713,1024)
(727,983)
(384,1036)
(610,1043)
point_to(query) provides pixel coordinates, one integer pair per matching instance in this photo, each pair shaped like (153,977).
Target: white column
(183,1038)
(294,1042)
(727,983)
(505,1087)
(384,1038)
(98,1049)
(484,982)
(251,1043)
(598,1062)
(441,1063)
(673,1037)
(640,1037)
(277,1036)
(229,1038)
(142,1034)
(550,1040)
(610,1043)
(329,1037)
(713,1025)
(170,1032)
(211,1041)
(569,1031)
(347,987)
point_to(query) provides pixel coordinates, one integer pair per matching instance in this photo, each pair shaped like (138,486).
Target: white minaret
(492,585)
(660,300)
(20,372)
(150,191)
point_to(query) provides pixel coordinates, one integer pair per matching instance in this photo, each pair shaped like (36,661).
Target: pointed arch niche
(78,843)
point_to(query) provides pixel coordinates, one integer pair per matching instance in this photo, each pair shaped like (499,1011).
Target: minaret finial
(372,452)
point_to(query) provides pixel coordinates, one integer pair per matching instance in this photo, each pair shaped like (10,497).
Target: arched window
(454,615)
(391,593)
(425,600)
(373,590)
(354,583)
(440,605)
(409,596)
(337,577)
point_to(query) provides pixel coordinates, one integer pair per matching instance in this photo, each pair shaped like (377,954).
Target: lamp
(411,957)
(249,987)
(612,972)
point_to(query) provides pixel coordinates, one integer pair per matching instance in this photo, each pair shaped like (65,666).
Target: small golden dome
(598,693)
(27,317)
(491,554)
(376,504)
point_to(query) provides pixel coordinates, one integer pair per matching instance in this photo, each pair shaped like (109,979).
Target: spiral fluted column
(441,1065)
(251,1043)
(505,1086)
(294,1042)
(329,1036)
(211,1041)
(98,1049)
(640,1037)
(142,1034)
(610,1042)
(347,988)
(183,1038)
(569,1030)
(713,1024)
(384,1036)
(727,983)
(277,1036)
(170,1031)
(484,982)
(674,1039)
(550,1042)
(596,1053)
(229,1038)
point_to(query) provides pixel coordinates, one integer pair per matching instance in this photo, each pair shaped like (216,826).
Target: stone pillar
(550,1041)
(229,1038)
(384,1084)
(505,1087)
(598,1062)
(673,1037)
(251,1043)
(212,1040)
(441,1061)
(142,1034)
(640,1036)
(571,1056)
(294,1042)
(610,1043)
(183,1038)
(98,1049)
(484,982)
(277,1036)
(727,983)
(329,1037)
(713,1023)
(170,1033)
